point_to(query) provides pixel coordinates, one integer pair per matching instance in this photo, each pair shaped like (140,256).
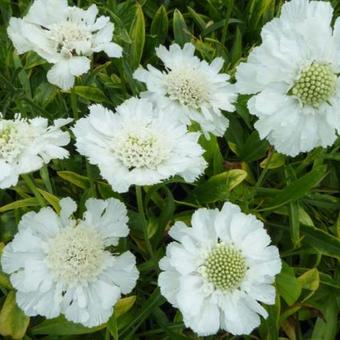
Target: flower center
(186,87)
(225,267)
(316,85)
(71,37)
(141,150)
(11,144)
(76,255)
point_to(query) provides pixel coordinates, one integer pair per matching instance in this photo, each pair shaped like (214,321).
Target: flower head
(26,145)
(218,270)
(61,265)
(293,75)
(65,36)
(140,144)
(194,88)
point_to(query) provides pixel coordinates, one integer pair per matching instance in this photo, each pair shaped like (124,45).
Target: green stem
(74,104)
(29,181)
(46,178)
(91,179)
(140,205)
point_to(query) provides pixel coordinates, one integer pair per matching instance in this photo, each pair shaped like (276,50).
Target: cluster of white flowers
(64,36)
(217,271)
(27,144)
(59,264)
(293,75)
(140,144)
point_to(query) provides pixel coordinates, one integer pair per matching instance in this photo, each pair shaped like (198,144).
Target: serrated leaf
(13,321)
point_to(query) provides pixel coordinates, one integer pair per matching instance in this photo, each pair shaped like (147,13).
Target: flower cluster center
(76,254)
(316,85)
(186,87)
(141,150)
(10,143)
(225,267)
(71,37)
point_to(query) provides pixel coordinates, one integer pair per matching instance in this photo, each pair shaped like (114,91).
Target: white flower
(26,145)
(60,265)
(139,144)
(294,76)
(218,270)
(194,88)
(65,36)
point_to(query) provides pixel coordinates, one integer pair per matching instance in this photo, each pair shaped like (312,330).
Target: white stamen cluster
(141,150)
(71,38)
(76,254)
(225,267)
(316,85)
(185,86)
(12,140)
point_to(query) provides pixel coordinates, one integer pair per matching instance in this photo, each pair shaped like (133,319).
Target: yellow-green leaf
(310,279)
(27,202)
(124,305)
(13,321)
(274,161)
(74,178)
(51,199)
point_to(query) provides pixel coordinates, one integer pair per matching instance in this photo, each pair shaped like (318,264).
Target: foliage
(297,198)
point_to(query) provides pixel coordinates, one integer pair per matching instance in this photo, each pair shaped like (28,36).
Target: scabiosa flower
(59,264)
(139,144)
(293,75)
(218,270)
(65,36)
(27,144)
(194,88)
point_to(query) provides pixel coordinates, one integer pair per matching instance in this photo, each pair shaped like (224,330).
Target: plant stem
(140,205)
(29,181)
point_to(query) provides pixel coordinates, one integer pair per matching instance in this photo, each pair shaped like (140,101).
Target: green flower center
(316,85)
(225,267)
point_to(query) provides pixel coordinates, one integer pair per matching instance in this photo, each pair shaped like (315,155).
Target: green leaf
(124,305)
(253,149)
(160,25)
(24,203)
(217,187)
(72,177)
(274,161)
(287,284)
(13,321)
(51,199)
(137,35)
(298,188)
(90,93)
(236,51)
(327,329)
(320,240)
(310,279)
(181,32)
(61,326)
